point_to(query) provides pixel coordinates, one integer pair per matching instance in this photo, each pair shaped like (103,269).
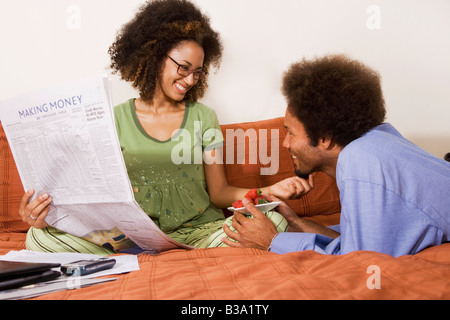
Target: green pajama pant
(207,235)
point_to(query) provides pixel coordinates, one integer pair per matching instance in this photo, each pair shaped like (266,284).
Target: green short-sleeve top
(167,176)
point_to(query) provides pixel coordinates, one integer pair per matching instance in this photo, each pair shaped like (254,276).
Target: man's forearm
(308,226)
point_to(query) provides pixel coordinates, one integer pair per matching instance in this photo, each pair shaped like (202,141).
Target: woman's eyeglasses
(186,71)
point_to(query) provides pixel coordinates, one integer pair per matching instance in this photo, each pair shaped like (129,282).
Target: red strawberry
(237,204)
(260,200)
(252,194)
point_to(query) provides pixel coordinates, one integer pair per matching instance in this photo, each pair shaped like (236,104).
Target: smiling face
(307,158)
(172,86)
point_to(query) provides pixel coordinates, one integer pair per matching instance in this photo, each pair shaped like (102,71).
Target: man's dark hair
(334,97)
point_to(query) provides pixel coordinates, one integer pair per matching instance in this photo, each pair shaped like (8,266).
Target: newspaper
(64,143)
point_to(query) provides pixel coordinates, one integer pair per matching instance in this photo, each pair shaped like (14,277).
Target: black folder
(15,274)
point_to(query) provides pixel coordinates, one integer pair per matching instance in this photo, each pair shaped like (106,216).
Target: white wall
(47,42)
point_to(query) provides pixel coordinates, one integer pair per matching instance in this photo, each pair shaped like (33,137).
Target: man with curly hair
(395,197)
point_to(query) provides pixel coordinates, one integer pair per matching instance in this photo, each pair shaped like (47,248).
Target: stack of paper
(124,264)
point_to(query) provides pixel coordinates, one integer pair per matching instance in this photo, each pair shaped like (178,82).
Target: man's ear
(326,143)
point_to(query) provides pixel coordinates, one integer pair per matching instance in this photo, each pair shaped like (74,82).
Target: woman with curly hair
(166,52)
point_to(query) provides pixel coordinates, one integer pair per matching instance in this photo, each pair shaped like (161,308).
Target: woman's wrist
(265,190)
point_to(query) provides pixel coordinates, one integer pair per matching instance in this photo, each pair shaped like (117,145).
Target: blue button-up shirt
(395,199)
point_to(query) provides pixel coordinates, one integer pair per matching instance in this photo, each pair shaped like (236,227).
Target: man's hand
(256,232)
(286,211)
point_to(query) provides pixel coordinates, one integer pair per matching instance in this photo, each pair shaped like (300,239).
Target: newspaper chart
(64,143)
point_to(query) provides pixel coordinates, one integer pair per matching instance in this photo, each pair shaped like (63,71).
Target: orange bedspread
(244,274)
